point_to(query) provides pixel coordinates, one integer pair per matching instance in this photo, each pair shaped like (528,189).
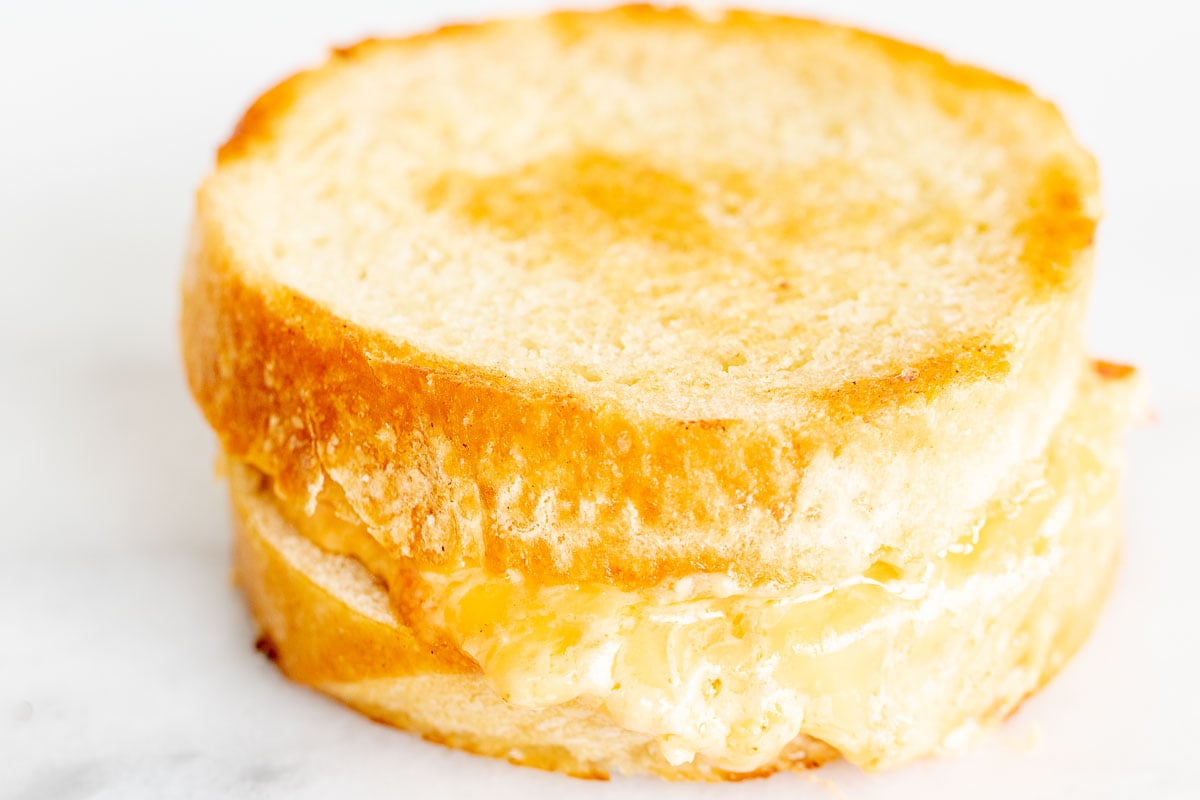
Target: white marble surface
(126,661)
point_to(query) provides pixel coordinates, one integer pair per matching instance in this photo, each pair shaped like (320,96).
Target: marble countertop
(127,665)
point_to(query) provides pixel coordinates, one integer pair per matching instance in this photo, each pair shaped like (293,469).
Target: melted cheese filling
(900,662)
(891,665)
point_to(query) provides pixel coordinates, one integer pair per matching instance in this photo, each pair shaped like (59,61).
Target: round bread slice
(638,294)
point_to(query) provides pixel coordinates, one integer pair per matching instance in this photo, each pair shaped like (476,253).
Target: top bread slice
(637,294)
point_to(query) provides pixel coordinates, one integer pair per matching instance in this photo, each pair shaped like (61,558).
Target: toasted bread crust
(450,462)
(287,386)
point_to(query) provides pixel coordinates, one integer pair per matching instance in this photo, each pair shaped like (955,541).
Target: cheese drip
(900,662)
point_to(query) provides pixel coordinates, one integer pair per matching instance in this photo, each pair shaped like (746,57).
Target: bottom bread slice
(326,622)
(696,683)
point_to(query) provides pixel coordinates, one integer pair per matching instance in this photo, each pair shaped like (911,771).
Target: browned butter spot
(970,359)
(1110,371)
(582,196)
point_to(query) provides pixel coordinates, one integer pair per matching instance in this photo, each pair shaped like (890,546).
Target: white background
(126,660)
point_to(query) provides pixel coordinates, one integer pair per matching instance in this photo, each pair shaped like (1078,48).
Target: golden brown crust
(606,493)
(1111,371)
(970,359)
(279,377)
(256,127)
(282,380)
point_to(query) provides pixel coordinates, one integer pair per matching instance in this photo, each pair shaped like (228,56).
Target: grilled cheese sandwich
(642,391)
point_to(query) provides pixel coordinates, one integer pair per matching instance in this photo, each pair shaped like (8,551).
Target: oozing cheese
(888,666)
(897,663)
